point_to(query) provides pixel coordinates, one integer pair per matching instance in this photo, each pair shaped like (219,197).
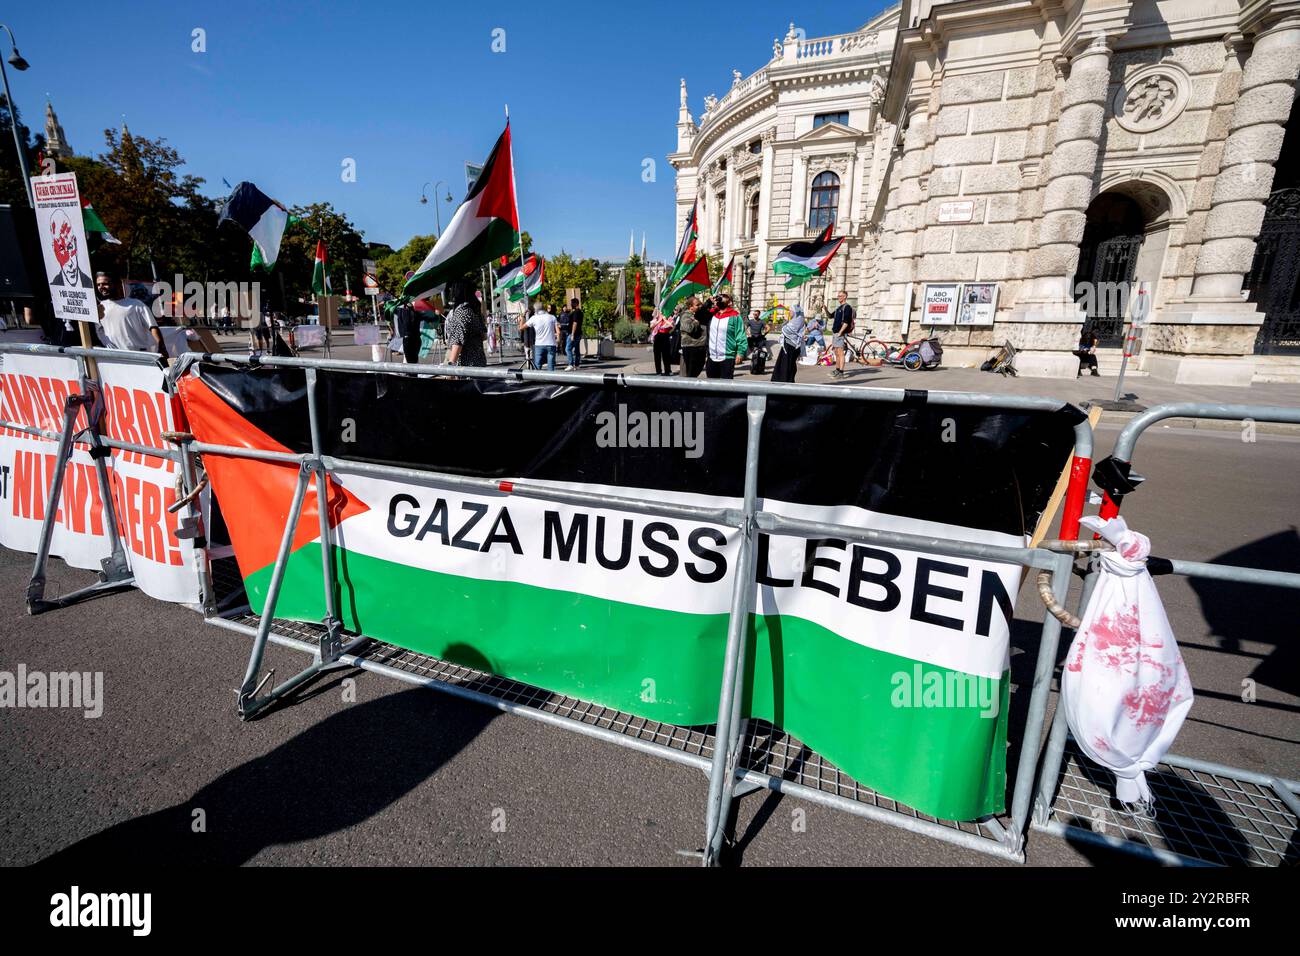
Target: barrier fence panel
(1206,813)
(766,671)
(110,498)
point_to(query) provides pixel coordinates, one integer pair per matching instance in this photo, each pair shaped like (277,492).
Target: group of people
(711,337)
(546,334)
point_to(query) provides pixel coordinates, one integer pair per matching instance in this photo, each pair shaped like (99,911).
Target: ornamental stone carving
(769,136)
(877,93)
(1151,98)
(838,165)
(859,41)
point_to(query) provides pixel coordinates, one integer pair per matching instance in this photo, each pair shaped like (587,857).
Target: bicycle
(867,350)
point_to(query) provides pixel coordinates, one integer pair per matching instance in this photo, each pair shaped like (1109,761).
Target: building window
(756,146)
(821,119)
(825,201)
(753,215)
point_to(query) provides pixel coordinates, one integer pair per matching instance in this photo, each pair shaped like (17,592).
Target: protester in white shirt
(546,328)
(126,323)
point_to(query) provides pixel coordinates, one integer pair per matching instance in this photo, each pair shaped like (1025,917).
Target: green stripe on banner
(861,708)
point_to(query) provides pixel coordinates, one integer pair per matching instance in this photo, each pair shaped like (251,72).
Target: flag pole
(522,252)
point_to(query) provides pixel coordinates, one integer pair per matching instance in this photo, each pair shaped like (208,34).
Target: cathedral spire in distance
(56,144)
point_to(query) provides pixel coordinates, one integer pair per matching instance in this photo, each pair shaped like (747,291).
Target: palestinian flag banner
(485,226)
(320,280)
(893,664)
(260,216)
(516,272)
(93,223)
(686,253)
(724,280)
(695,280)
(532,283)
(806,259)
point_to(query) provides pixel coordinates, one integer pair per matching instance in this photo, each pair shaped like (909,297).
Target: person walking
(546,330)
(841,329)
(465,327)
(727,340)
(1087,350)
(693,324)
(574,350)
(661,342)
(792,346)
(406,322)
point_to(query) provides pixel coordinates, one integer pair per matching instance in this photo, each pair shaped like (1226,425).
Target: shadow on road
(334,775)
(1251,612)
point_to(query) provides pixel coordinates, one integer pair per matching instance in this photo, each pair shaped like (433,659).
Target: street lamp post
(437,209)
(18,63)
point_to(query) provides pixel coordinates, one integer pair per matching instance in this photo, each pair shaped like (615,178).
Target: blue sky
(287,90)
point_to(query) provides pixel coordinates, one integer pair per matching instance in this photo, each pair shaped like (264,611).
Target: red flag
(636,298)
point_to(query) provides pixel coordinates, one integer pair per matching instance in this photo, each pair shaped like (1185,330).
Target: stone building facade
(1063,162)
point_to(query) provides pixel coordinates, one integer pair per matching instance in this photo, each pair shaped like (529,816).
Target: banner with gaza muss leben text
(891,663)
(137,408)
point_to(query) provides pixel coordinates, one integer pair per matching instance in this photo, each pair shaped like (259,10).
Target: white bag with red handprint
(1125,688)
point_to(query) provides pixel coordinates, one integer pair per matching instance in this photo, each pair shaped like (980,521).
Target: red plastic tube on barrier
(1076,493)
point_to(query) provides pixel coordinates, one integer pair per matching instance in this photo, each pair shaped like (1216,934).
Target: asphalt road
(408,776)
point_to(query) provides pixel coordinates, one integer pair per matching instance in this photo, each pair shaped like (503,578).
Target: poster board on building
(63,246)
(979,302)
(939,303)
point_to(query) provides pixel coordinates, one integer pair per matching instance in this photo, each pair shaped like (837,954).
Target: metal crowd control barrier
(115,574)
(1207,813)
(739,756)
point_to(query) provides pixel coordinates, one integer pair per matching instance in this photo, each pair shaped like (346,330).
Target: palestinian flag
(260,216)
(686,248)
(532,284)
(807,258)
(695,280)
(93,223)
(485,226)
(320,280)
(725,278)
(516,272)
(890,663)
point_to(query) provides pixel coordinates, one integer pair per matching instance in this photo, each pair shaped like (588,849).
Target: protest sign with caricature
(63,243)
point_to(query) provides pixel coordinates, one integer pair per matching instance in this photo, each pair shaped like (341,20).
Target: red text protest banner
(137,409)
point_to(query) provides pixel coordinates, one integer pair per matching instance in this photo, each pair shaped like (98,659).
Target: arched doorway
(1273,282)
(1108,260)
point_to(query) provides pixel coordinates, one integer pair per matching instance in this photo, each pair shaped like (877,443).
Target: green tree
(393,267)
(344,250)
(142,188)
(12,188)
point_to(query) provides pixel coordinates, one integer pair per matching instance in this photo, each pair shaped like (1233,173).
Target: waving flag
(532,284)
(807,258)
(260,216)
(320,280)
(485,226)
(725,278)
(695,280)
(686,249)
(516,272)
(93,223)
